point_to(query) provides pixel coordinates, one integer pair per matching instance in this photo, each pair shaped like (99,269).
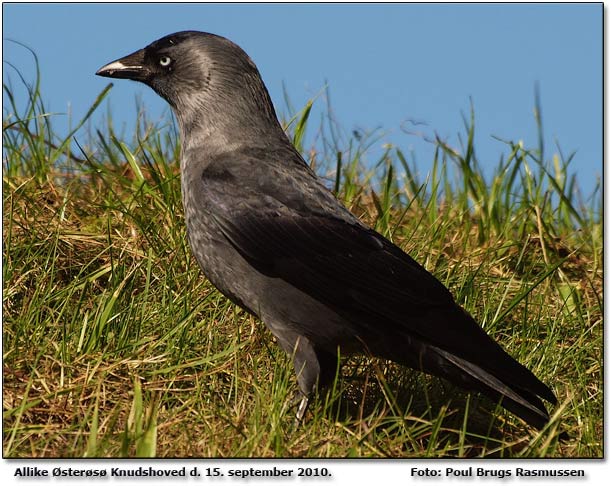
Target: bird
(269,235)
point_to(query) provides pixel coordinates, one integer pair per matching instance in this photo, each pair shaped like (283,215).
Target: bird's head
(207,79)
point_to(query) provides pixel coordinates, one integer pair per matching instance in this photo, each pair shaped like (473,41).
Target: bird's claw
(301,410)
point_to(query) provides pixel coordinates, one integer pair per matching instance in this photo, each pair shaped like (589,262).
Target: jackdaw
(273,239)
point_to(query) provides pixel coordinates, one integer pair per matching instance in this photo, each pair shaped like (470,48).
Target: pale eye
(165,61)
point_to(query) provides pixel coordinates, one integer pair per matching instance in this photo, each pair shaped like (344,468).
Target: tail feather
(519,401)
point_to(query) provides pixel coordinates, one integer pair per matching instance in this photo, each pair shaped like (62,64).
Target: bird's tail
(518,399)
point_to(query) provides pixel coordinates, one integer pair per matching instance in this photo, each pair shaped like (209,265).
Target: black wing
(287,225)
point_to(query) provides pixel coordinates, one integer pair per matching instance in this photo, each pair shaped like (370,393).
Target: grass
(114,344)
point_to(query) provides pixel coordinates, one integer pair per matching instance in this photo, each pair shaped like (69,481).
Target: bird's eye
(165,61)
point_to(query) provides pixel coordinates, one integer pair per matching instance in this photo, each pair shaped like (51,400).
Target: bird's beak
(128,67)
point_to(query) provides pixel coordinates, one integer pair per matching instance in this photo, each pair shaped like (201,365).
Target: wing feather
(306,238)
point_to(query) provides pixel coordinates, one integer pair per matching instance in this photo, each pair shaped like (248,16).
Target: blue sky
(384,65)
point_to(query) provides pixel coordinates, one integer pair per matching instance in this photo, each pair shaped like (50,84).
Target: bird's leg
(307,369)
(314,368)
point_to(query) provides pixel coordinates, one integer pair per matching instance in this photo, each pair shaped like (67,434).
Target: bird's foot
(301,409)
